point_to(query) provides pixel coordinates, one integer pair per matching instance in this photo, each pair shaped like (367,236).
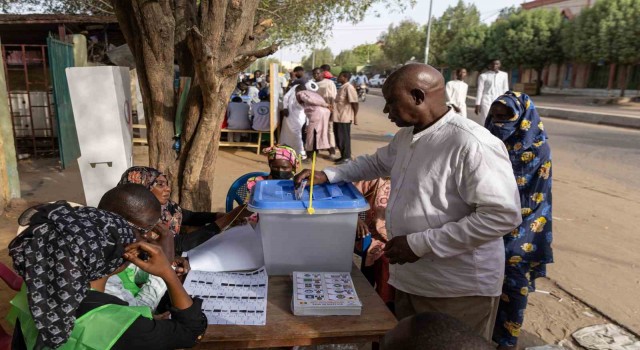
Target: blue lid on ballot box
(278,196)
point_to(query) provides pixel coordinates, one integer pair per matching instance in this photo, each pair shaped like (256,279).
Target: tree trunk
(213,40)
(148,28)
(539,80)
(623,86)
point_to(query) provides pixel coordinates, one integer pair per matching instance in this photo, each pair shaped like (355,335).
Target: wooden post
(9,181)
(274,99)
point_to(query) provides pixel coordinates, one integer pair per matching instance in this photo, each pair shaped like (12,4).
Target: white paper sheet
(236,249)
(238,298)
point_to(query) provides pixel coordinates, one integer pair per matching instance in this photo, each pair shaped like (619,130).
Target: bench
(230,143)
(139,140)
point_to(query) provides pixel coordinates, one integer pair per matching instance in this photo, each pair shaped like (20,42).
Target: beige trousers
(477,312)
(332,136)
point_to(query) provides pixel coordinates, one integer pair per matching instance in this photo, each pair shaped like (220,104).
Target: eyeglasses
(140,229)
(161,184)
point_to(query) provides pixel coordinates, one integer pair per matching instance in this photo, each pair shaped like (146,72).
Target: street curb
(575,116)
(582,117)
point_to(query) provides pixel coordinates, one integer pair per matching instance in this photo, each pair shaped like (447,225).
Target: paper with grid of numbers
(238,298)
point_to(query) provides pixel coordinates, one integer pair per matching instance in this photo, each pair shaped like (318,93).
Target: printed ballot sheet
(324,293)
(238,298)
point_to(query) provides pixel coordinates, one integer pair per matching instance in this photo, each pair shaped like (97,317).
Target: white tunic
(457,95)
(291,131)
(490,86)
(454,196)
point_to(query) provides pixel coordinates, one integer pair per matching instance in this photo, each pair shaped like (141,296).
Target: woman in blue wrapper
(513,119)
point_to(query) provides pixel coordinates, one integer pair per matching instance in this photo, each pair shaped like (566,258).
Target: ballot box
(101,101)
(294,240)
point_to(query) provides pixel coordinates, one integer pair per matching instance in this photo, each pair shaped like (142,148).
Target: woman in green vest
(65,257)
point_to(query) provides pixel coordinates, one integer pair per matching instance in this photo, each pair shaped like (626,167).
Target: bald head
(418,75)
(133,202)
(415,96)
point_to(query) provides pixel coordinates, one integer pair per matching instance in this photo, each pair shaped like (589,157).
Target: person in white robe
(491,85)
(457,92)
(293,122)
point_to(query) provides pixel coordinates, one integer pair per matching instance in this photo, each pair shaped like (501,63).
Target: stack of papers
(238,298)
(324,294)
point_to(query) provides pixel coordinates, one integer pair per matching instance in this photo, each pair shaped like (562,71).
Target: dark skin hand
(361,229)
(397,250)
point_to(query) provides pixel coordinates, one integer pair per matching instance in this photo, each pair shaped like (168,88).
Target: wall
(9,181)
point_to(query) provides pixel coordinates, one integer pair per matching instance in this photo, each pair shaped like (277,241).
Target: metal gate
(29,100)
(60,58)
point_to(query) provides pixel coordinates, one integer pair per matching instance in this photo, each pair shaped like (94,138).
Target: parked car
(377,80)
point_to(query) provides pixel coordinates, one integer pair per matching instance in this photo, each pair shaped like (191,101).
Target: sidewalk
(576,108)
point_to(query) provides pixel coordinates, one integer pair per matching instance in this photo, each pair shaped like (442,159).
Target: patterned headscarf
(147,177)
(530,156)
(61,251)
(283,152)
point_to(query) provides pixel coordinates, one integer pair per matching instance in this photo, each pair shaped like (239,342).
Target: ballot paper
(237,298)
(323,294)
(236,249)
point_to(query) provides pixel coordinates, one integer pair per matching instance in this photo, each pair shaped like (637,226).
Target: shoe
(344,161)
(334,157)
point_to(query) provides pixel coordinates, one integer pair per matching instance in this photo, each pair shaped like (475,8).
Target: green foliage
(361,55)
(323,56)
(446,31)
(530,39)
(467,51)
(608,31)
(404,42)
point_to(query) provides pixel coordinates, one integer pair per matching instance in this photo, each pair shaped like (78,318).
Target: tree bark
(623,85)
(539,80)
(213,40)
(148,28)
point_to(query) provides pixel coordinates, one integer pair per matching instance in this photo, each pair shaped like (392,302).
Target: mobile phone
(144,256)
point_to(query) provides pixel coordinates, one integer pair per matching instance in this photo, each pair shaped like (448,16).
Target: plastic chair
(14,282)
(238,190)
(366,242)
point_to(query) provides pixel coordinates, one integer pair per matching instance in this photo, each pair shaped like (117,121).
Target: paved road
(596,208)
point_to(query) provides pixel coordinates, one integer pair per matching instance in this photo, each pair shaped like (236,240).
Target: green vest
(98,329)
(131,278)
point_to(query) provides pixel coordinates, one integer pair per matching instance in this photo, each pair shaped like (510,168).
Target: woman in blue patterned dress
(513,119)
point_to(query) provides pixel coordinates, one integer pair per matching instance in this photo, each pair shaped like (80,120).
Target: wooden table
(285,329)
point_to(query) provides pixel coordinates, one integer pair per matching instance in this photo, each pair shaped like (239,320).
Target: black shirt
(183,330)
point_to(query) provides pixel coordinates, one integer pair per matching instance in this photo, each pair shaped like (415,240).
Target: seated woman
(174,217)
(375,266)
(66,256)
(283,164)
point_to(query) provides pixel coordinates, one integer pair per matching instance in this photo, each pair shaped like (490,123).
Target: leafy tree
(607,32)
(212,41)
(323,56)
(361,55)
(446,31)
(404,42)
(530,39)
(467,50)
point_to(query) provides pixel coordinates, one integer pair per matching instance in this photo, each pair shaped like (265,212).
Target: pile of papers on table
(324,294)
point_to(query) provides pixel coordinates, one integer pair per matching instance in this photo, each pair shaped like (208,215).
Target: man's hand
(285,113)
(156,264)
(397,250)
(319,179)
(181,266)
(477,109)
(456,108)
(361,229)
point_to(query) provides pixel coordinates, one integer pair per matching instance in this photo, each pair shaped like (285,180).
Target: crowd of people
(460,222)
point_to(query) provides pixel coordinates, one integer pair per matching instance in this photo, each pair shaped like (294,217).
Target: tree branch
(243,60)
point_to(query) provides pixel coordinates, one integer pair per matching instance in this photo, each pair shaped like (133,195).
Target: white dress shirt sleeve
(367,167)
(449,89)
(486,183)
(505,83)
(480,91)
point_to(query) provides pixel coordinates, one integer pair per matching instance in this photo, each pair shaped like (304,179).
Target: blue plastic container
(294,240)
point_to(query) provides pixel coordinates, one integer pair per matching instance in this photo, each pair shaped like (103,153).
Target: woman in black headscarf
(65,257)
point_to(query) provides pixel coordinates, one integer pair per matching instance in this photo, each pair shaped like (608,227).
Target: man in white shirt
(453,198)
(491,84)
(361,79)
(457,92)
(327,89)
